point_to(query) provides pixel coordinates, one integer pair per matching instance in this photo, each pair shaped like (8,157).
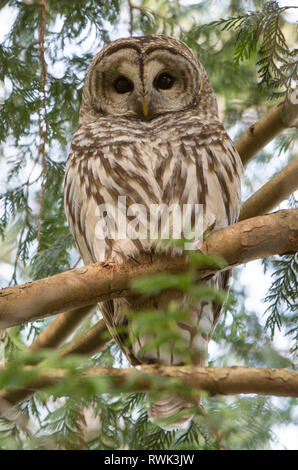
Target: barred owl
(149,133)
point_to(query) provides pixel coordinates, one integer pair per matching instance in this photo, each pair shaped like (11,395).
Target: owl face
(143,78)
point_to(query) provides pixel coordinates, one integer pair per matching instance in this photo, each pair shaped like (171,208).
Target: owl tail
(171,412)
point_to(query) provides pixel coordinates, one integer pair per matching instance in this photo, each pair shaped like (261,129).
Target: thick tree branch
(53,336)
(280,117)
(88,343)
(279,188)
(59,330)
(215,381)
(240,243)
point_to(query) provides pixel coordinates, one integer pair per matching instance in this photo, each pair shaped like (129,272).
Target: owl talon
(209,230)
(134,259)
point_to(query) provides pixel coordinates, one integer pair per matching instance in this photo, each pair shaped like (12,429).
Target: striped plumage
(173,151)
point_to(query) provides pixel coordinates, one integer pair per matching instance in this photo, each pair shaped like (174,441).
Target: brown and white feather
(181,154)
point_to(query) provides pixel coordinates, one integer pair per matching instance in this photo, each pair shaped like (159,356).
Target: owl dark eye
(164,81)
(122,85)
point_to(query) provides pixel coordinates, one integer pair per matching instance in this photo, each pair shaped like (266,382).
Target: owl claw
(134,259)
(209,230)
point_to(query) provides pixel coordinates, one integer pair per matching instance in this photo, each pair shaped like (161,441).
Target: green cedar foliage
(249,53)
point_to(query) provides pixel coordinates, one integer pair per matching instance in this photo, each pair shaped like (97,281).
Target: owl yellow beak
(145,109)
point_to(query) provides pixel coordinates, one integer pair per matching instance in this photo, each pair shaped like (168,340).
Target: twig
(143,9)
(77,262)
(42,132)
(218,437)
(131,7)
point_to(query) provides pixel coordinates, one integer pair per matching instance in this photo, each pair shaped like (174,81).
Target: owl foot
(134,259)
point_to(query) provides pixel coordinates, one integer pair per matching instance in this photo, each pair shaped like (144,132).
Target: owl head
(146,77)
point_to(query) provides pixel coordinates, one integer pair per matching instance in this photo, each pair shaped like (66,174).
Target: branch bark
(89,342)
(62,327)
(279,188)
(215,381)
(240,243)
(280,117)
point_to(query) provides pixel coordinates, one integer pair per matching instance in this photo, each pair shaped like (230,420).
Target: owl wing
(81,206)
(73,202)
(94,178)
